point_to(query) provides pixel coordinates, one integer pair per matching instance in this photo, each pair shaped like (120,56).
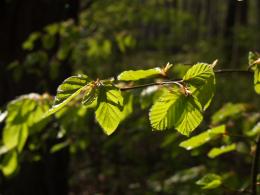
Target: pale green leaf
(23,135)
(133,75)
(10,163)
(128,105)
(3,116)
(210,181)
(59,146)
(201,81)
(205,93)
(203,138)
(255,130)
(3,150)
(228,110)
(150,94)
(254,64)
(15,135)
(257,79)
(199,73)
(90,96)
(214,152)
(69,89)
(109,111)
(174,109)
(11,136)
(24,113)
(252,57)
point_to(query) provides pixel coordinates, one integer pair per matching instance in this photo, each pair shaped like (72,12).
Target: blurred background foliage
(43,42)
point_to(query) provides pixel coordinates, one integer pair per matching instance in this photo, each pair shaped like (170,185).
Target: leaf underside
(174,109)
(69,89)
(134,75)
(109,110)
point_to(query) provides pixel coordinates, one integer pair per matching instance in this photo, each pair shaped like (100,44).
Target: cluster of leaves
(23,119)
(254,64)
(174,104)
(180,106)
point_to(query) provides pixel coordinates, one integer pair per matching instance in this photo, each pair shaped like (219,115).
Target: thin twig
(254,170)
(233,71)
(178,82)
(151,84)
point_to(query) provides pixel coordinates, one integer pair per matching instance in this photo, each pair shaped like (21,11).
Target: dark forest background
(45,41)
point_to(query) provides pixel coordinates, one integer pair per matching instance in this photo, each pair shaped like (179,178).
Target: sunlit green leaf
(69,89)
(201,81)
(203,138)
(210,181)
(3,150)
(150,94)
(3,116)
(24,113)
(255,130)
(252,57)
(254,64)
(214,152)
(174,109)
(128,105)
(257,79)
(110,106)
(90,96)
(9,163)
(133,75)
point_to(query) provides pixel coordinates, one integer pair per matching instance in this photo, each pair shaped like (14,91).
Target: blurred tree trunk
(18,19)
(241,21)
(258,12)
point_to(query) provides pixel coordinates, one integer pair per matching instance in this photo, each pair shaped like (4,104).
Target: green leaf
(109,111)
(11,135)
(150,94)
(228,110)
(201,82)
(69,89)
(174,109)
(252,57)
(134,75)
(59,146)
(9,163)
(214,152)
(3,150)
(90,96)
(254,64)
(128,105)
(210,181)
(255,130)
(23,114)
(29,43)
(203,138)
(3,116)
(257,79)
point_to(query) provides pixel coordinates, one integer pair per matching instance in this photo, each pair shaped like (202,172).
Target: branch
(151,84)
(233,71)
(255,167)
(179,81)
